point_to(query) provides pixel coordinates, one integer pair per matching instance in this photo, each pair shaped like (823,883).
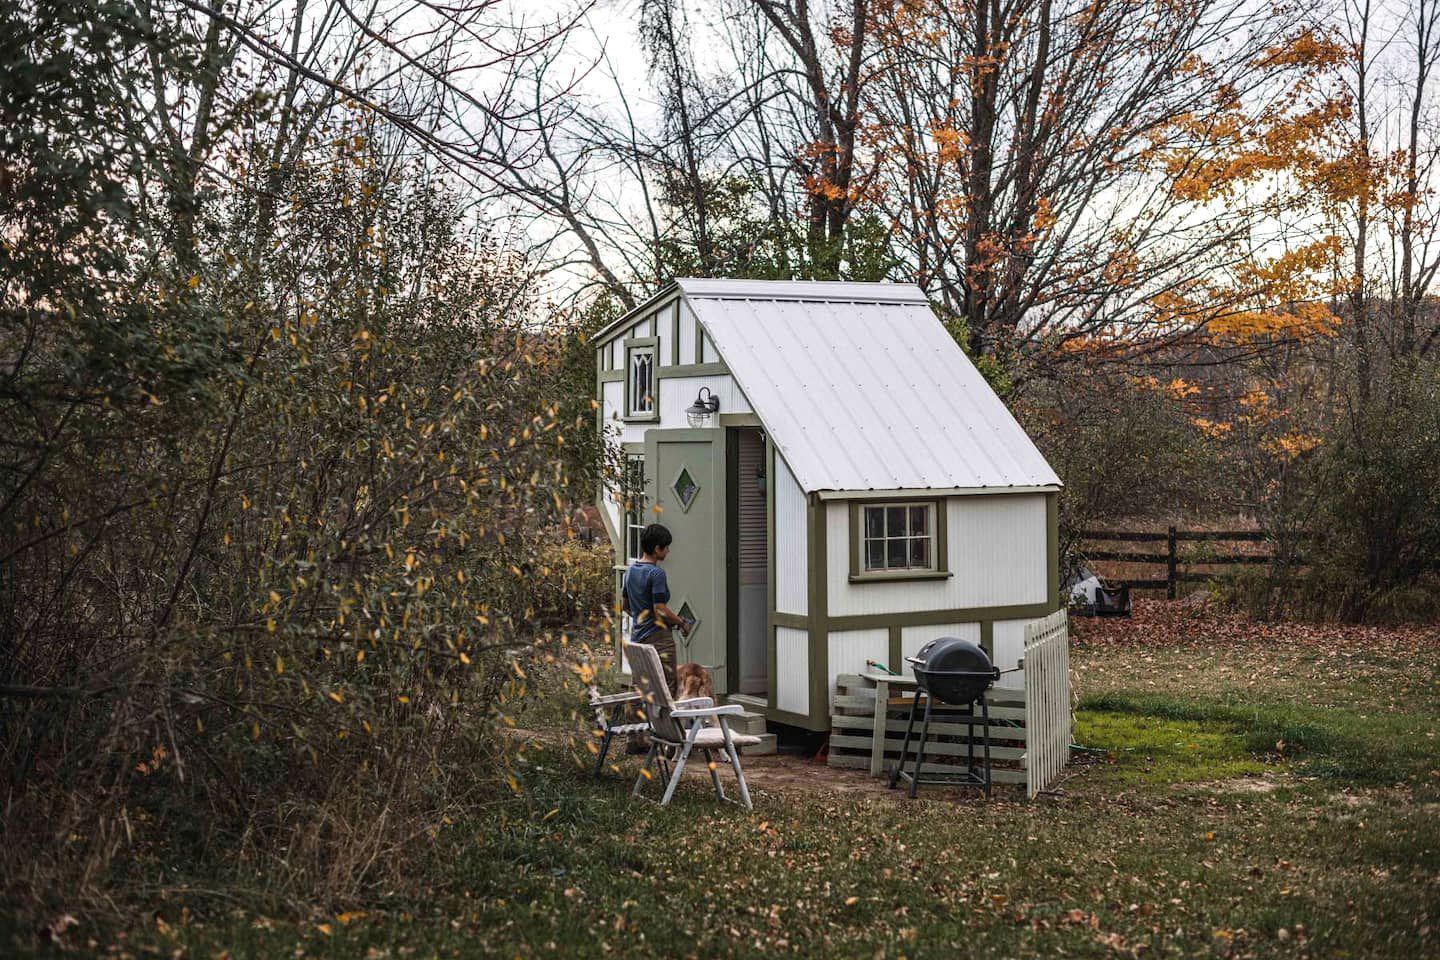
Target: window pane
(895,521)
(875,522)
(875,554)
(919,520)
(920,552)
(895,553)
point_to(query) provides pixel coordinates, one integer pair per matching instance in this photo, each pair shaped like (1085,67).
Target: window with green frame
(642,400)
(898,537)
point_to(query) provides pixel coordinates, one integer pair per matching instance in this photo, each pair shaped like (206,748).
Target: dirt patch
(1236,785)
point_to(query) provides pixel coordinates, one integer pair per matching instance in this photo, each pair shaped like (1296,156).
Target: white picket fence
(1047,700)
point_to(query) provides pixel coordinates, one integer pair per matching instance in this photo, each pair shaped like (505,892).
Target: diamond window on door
(685,488)
(688,615)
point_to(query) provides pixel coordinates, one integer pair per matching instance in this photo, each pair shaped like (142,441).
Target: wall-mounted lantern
(703,410)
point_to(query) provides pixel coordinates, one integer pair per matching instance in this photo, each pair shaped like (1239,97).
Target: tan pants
(664,643)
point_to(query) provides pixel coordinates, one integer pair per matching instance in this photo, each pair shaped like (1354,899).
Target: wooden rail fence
(1171,557)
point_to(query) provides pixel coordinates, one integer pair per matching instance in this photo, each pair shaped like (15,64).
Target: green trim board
(653,414)
(896,648)
(714,369)
(941,538)
(797,621)
(819,607)
(771,616)
(931,618)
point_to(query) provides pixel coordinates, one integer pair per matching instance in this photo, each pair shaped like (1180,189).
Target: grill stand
(972,777)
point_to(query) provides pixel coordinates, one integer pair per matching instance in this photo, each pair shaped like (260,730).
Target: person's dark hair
(654,537)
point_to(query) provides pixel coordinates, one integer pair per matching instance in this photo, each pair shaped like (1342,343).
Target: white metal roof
(861,388)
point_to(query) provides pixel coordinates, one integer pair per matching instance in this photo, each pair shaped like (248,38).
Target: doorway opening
(749,561)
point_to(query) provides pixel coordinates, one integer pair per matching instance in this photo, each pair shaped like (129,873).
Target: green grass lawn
(1223,822)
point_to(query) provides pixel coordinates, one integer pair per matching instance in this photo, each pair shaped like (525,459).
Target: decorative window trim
(939,542)
(634,345)
(685,505)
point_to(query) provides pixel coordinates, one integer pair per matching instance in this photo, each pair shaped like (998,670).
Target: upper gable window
(642,401)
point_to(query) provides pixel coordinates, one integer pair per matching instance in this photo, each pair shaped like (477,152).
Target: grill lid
(953,670)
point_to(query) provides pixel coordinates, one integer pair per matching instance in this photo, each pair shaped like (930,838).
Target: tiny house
(841,483)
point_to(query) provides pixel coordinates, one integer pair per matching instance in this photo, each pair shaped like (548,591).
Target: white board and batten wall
(792,592)
(676,392)
(997,556)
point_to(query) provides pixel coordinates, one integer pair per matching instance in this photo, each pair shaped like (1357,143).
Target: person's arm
(660,594)
(624,597)
(672,618)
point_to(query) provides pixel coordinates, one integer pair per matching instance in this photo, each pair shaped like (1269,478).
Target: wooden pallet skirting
(853,723)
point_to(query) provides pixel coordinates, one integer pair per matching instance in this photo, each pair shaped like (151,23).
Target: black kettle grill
(954,673)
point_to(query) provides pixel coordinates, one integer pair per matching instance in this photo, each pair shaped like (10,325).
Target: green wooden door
(685,478)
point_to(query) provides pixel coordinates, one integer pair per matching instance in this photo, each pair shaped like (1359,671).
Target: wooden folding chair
(681,728)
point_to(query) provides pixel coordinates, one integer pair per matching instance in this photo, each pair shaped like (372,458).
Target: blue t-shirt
(645,585)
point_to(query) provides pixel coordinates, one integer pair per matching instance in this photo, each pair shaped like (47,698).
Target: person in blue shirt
(645,595)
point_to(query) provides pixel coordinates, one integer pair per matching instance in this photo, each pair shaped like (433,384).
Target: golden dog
(692,680)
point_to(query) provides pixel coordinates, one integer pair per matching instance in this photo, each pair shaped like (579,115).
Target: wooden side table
(883,684)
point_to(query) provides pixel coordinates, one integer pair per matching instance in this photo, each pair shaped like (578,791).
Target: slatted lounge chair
(610,719)
(681,728)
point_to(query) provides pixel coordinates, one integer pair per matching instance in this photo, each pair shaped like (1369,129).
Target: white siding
(1009,642)
(687,334)
(792,586)
(676,393)
(792,670)
(612,394)
(849,649)
(997,552)
(612,510)
(913,638)
(707,349)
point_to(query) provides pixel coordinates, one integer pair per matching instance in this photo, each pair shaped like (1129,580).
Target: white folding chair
(611,721)
(681,727)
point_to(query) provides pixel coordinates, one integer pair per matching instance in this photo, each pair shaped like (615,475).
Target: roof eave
(607,332)
(935,491)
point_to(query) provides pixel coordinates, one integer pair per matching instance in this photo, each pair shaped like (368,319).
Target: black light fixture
(706,405)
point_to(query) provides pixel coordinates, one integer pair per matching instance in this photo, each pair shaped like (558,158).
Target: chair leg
(920,748)
(734,754)
(714,774)
(679,769)
(649,761)
(604,749)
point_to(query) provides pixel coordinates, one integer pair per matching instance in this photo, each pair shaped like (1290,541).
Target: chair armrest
(728,710)
(694,703)
(605,701)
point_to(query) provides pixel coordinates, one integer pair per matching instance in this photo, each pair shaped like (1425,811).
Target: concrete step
(748,722)
(765,747)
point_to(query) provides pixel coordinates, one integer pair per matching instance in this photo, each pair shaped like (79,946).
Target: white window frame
(632,505)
